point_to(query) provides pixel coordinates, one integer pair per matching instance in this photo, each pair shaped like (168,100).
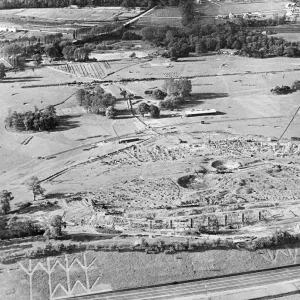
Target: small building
(229,51)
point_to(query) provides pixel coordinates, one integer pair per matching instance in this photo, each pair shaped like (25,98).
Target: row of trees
(37,120)
(97,101)
(82,3)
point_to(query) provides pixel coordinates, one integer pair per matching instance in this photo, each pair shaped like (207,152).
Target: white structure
(8,28)
(196,112)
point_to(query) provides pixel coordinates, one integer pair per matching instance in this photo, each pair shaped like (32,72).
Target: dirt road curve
(202,287)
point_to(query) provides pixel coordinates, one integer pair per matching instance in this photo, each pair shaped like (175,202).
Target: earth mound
(226,165)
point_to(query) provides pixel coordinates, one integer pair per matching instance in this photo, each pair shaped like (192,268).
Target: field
(83,14)
(213,8)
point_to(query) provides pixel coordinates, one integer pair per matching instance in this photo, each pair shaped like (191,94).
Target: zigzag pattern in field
(66,266)
(273,256)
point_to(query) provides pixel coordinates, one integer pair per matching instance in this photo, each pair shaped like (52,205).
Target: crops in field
(94,70)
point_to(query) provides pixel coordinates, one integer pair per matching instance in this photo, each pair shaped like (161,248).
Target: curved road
(202,287)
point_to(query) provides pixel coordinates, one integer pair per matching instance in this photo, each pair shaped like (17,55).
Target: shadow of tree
(207,96)
(22,80)
(37,208)
(67,122)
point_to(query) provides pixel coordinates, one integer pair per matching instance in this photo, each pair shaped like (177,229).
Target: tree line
(82,3)
(202,39)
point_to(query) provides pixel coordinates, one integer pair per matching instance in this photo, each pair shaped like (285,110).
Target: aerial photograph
(149,149)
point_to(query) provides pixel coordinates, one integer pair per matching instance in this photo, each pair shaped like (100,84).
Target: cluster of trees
(131,35)
(284,89)
(143,108)
(97,101)
(69,51)
(37,120)
(206,38)
(177,91)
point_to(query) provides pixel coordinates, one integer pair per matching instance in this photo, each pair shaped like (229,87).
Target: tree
(143,108)
(2,71)
(296,85)
(154,111)
(148,33)
(185,87)
(52,51)
(5,198)
(110,112)
(68,52)
(37,58)
(55,226)
(34,186)
(187,12)
(80,96)
(158,94)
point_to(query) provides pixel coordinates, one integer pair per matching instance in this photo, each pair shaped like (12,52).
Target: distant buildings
(8,28)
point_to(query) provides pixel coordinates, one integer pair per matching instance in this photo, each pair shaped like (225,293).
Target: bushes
(130,35)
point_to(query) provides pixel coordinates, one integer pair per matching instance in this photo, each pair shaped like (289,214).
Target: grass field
(224,8)
(91,14)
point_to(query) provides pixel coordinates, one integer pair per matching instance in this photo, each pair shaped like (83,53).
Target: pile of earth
(226,165)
